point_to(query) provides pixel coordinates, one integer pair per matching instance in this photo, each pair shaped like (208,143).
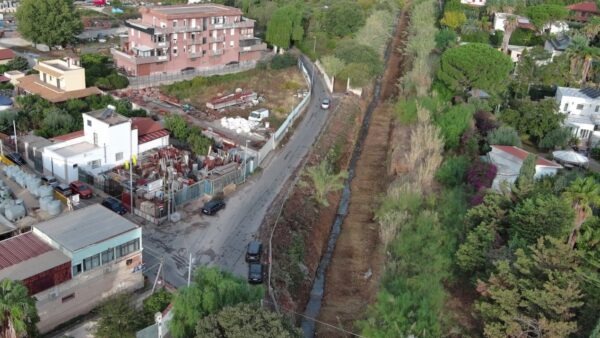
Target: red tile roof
(6,54)
(522,155)
(145,125)
(590,7)
(21,248)
(152,136)
(69,136)
(4,78)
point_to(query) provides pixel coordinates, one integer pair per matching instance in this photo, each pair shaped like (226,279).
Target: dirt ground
(280,89)
(302,222)
(352,280)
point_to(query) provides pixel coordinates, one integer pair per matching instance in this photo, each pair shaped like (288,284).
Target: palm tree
(583,194)
(324,181)
(581,56)
(510,25)
(591,28)
(18,314)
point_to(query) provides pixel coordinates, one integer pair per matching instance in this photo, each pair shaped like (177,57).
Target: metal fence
(189,193)
(168,78)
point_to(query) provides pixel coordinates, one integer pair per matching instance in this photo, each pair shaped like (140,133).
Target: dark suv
(211,207)
(63,189)
(16,158)
(114,205)
(255,273)
(254,251)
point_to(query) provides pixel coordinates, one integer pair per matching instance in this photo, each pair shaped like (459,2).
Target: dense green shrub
(526,37)
(284,61)
(445,38)
(504,136)
(479,36)
(454,122)
(453,171)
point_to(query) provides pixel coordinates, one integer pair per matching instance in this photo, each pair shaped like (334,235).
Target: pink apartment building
(170,39)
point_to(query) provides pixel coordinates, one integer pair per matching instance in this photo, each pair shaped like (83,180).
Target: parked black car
(16,158)
(254,251)
(50,180)
(211,207)
(114,205)
(255,273)
(64,190)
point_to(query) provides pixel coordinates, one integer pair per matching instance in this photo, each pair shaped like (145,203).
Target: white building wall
(575,105)
(158,143)
(62,168)
(556,27)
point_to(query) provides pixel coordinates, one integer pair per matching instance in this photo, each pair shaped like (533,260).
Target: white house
(471,2)
(509,159)
(557,46)
(515,52)
(582,107)
(523,22)
(108,140)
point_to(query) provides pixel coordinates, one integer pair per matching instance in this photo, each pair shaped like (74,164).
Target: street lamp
(245,159)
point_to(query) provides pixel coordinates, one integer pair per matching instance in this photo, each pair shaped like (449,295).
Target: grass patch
(186,89)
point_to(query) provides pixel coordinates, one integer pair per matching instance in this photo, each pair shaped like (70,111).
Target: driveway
(221,240)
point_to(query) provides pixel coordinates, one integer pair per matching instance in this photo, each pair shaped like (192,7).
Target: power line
(320,322)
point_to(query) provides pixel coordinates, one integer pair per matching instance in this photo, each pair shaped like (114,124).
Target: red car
(81,188)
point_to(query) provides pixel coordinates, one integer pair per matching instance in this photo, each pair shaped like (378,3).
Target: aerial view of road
(221,240)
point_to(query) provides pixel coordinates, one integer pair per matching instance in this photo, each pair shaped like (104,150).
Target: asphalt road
(221,240)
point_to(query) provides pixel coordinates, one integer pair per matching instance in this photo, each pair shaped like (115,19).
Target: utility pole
(157,274)
(130,168)
(15,131)
(189,270)
(245,159)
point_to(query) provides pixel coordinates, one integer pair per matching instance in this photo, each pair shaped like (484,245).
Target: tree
(324,181)
(118,318)
(198,142)
(157,302)
(584,193)
(534,118)
(527,172)
(18,63)
(376,31)
(540,216)
(210,291)
(510,24)
(591,28)
(453,19)
(178,126)
(243,320)
(445,38)
(540,15)
(52,22)
(285,25)
(557,138)
(503,6)
(581,56)
(333,65)
(18,314)
(367,57)
(504,136)
(475,66)
(454,122)
(534,296)
(344,18)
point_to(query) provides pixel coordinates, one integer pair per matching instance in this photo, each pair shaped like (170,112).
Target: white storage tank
(54,207)
(44,201)
(33,185)
(44,191)
(15,212)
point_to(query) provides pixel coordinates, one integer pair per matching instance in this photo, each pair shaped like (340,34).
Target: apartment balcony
(220,38)
(216,52)
(179,29)
(247,37)
(194,42)
(254,48)
(138,60)
(245,23)
(195,55)
(162,44)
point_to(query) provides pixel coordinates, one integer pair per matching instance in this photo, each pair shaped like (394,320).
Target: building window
(118,156)
(184,22)
(127,248)
(91,262)
(129,262)
(579,107)
(95,139)
(68,298)
(76,270)
(108,256)
(566,106)
(231,43)
(94,164)
(175,51)
(89,123)
(174,23)
(597,109)
(232,31)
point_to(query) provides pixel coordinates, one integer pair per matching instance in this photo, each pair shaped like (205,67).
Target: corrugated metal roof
(21,248)
(84,227)
(522,154)
(152,136)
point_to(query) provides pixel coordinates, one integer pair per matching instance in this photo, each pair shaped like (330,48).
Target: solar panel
(591,92)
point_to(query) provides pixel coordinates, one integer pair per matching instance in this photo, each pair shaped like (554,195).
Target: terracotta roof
(4,78)
(152,136)
(522,155)
(6,54)
(21,248)
(33,85)
(590,7)
(69,136)
(145,125)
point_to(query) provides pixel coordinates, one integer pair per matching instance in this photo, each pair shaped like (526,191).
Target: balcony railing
(178,29)
(216,52)
(220,38)
(197,54)
(239,24)
(194,42)
(139,60)
(162,44)
(247,37)
(253,48)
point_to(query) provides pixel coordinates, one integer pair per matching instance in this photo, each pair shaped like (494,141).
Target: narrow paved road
(221,240)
